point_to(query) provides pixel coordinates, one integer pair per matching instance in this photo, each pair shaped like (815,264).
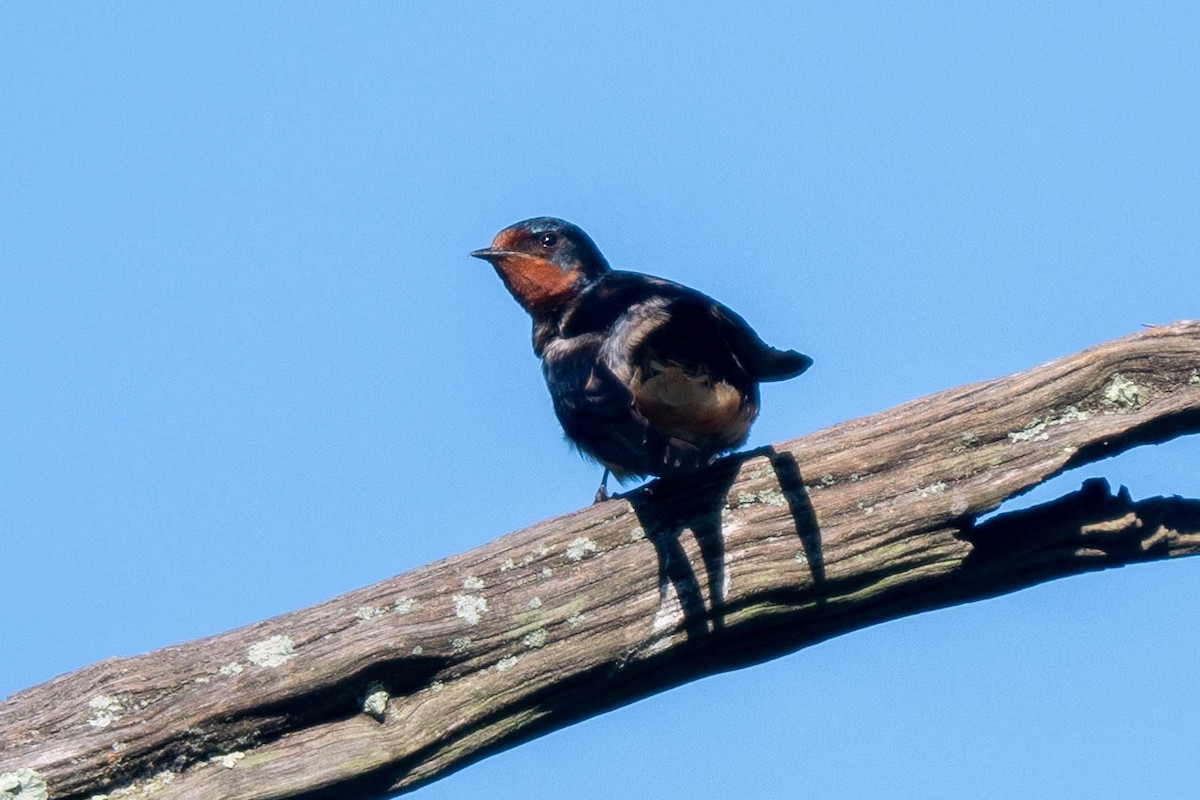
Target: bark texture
(398,683)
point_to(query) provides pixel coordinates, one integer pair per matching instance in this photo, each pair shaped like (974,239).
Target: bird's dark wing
(636,308)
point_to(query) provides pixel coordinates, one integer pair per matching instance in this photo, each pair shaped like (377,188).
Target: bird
(648,377)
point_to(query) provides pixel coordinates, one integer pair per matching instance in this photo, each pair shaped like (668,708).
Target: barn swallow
(647,376)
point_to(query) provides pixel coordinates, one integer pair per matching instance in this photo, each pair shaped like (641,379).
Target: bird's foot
(602,492)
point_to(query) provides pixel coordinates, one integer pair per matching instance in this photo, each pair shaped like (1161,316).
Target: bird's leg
(602,492)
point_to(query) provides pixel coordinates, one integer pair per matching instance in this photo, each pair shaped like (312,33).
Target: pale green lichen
(1037,431)
(507,565)
(637,534)
(541,552)
(472,584)
(547,572)
(469,607)
(232,668)
(580,547)
(160,779)
(272,652)
(931,489)
(1123,393)
(534,603)
(1195,377)
(828,480)
(506,663)
(535,639)
(800,558)
(1033,432)
(772,497)
(404,605)
(106,710)
(766,497)
(375,701)
(460,644)
(228,760)
(418,650)
(23,784)
(575,619)
(369,612)
(144,788)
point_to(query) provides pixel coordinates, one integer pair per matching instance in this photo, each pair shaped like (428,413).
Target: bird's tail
(778,365)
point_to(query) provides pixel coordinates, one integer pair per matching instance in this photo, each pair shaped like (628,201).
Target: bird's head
(544,262)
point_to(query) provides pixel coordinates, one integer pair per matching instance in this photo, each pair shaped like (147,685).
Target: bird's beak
(491,253)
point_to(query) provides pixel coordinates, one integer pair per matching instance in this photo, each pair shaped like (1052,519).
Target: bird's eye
(549,239)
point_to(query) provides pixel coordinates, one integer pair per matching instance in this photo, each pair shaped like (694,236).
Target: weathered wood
(398,683)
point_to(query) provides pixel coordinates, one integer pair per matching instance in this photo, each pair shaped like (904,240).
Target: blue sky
(248,364)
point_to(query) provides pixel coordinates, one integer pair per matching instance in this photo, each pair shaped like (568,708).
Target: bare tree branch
(399,683)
